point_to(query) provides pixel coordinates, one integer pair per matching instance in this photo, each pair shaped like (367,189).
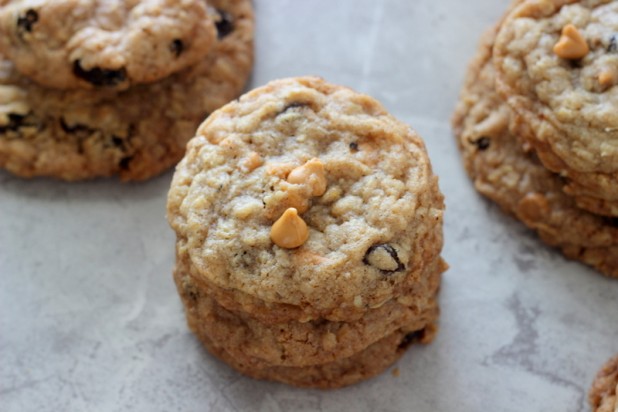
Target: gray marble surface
(90,320)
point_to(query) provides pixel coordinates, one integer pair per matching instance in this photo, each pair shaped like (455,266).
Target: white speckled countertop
(90,319)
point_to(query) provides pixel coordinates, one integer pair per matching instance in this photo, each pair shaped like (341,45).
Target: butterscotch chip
(290,230)
(607,78)
(534,206)
(571,45)
(312,174)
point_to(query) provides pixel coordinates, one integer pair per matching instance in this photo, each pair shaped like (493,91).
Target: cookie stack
(603,395)
(105,88)
(309,230)
(538,127)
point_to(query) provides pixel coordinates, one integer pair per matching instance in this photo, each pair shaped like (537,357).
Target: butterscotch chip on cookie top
(311,152)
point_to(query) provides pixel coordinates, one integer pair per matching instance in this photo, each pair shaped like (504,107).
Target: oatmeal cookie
(557,67)
(603,395)
(363,365)
(135,133)
(517,181)
(297,343)
(68,44)
(349,181)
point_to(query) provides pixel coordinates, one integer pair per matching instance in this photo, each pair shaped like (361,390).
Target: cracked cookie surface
(568,104)
(486,130)
(231,187)
(67,44)
(135,133)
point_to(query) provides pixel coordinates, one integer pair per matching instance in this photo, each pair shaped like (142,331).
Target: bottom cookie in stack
(487,134)
(603,395)
(318,353)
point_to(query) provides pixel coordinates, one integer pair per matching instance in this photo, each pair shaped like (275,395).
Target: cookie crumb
(396,372)
(607,78)
(252,161)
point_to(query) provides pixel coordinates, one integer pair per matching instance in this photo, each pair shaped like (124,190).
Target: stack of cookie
(309,230)
(537,123)
(603,395)
(104,88)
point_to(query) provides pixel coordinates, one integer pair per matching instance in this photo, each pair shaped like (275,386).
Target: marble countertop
(90,319)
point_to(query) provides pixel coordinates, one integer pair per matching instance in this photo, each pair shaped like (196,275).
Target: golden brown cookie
(135,133)
(603,395)
(372,232)
(557,67)
(361,366)
(67,44)
(297,343)
(501,170)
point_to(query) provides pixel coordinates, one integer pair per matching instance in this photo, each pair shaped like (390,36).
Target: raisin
(411,338)
(224,24)
(612,46)
(354,147)
(177,47)
(610,221)
(76,128)
(124,162)
(482,142)
(117,141)
(15,122)
(383,265)
(98,76)
(25,22)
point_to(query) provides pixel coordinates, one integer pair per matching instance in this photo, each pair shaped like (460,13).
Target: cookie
(297,343)
(557,68)
(603,395)
(67,44)
(272,313)
(361,366)
(486,131)
(325,165)
(136,133)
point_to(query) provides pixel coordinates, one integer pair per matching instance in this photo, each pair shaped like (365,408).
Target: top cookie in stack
(309,231)
(537,127)
(101,88)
